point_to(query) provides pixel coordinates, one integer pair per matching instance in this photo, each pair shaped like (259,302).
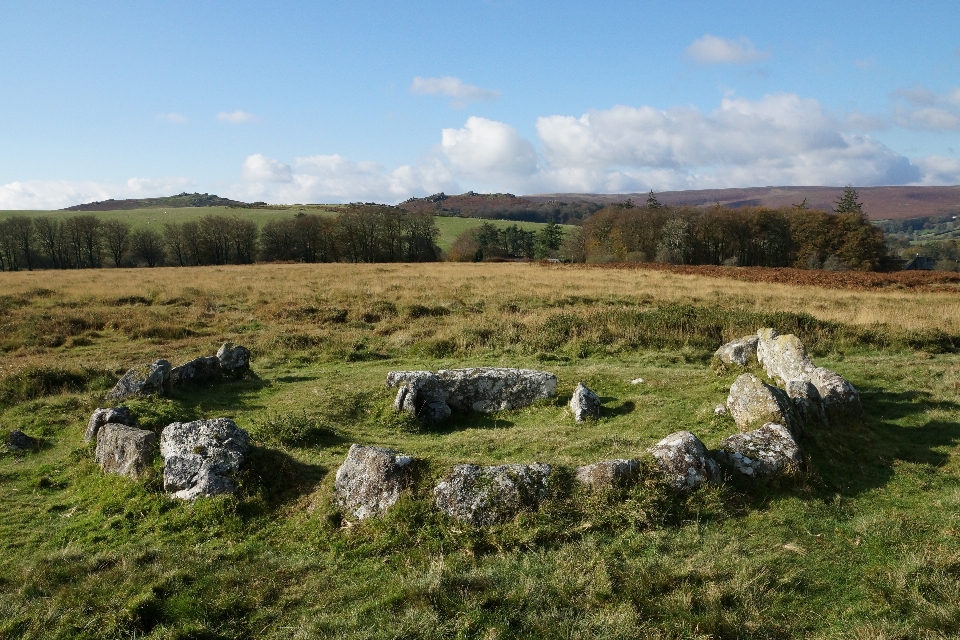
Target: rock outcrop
(201,458)
(198,370)
(608,473)
(234,359)
(19,441)
(684,462)
(491,495)
(753,403)
(124,450)
(584,403)
(143,380)
(482,389)
(370,480)
(741,352)
(100,417)
(767,451)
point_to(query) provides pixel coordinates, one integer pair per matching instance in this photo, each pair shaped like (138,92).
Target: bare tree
(148,246)
(116,235)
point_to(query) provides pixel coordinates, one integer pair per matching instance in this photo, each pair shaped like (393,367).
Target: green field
(863,543)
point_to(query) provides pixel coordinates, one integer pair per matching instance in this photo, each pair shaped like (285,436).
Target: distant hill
(502,206)
(879,203)
(173,202)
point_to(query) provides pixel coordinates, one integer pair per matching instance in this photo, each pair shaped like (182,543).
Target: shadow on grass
(277,478)
(463,420)
(621,409)
(222,396)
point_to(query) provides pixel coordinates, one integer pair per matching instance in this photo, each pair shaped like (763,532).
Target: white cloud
(713,50)
(489,151)
(259,168)
(58,194)
(173,118)
(237,117)
(939,170)
(918,107)
(454,88)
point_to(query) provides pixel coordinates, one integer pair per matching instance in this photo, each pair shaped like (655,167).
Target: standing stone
(234,359)
(142,380)
(195,371)
(753,403)
(741,352)
(100,417)
(684,462)
(608,473)
(492,495)
(201,458)
(767,451)
(585,404)
(19,441)
(783,357)
(124,450)
(370,480)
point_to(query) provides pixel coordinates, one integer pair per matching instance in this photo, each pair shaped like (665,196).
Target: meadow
(863,543)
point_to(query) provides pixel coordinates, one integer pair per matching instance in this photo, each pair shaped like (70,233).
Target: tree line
(488,242)
(790,237)
(360,233)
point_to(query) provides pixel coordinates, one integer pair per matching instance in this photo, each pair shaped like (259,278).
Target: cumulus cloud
(237,117)
(173,118)
(918,107)
(454,88)
(713,50)
(939,170)
(259,168)
(58,194)
(489,151)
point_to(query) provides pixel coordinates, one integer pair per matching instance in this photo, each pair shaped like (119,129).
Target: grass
(863,544)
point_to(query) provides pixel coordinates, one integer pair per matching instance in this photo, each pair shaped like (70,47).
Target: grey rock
(807,402)
(234,359)
(720,410)
(100,417)
(201,458)
(19,441)
(840,399)
(753,403)
(124,450)
(482,389)
(585,404)
(741,352)
(767,451)
(783,357)
(491,495)
(684,462)
(142,380)
(195,371)
(370,480)
(607,473)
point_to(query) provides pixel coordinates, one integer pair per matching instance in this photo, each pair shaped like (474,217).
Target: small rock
(370,480)
(195,371)
(491,495)
(234,359)
(753,403)
(683,459)
(637,381)
(200,458)
(124,450)
(100,417)
(767,451)
(739,352)
(719,410)
(585,404)
(143,380)
(608,473)
(19,441)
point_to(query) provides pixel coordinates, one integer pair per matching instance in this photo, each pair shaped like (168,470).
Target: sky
(325,102)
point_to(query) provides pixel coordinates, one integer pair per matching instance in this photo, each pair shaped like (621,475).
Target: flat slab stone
(201,458)
(741,352)
(100,417)
(684,461)
(370,480)
(124,450)
(492,495)
(196,371)
(142,380)
(768,451)
(607,474)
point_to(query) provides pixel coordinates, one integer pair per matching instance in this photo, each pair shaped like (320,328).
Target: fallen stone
(741,352)
(201,458)
(584,403)
(492,495)
(100,417)
(19,441)
(753,403)
(807,402)
(607,473)
(784,358)
(234,359)
(142,380)
(195,371)
(840,399)
(767,451)
(124,450)
(370,480)
(482,389)
(684,462)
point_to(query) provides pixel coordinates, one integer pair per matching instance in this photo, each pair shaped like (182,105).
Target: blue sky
(339,102)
